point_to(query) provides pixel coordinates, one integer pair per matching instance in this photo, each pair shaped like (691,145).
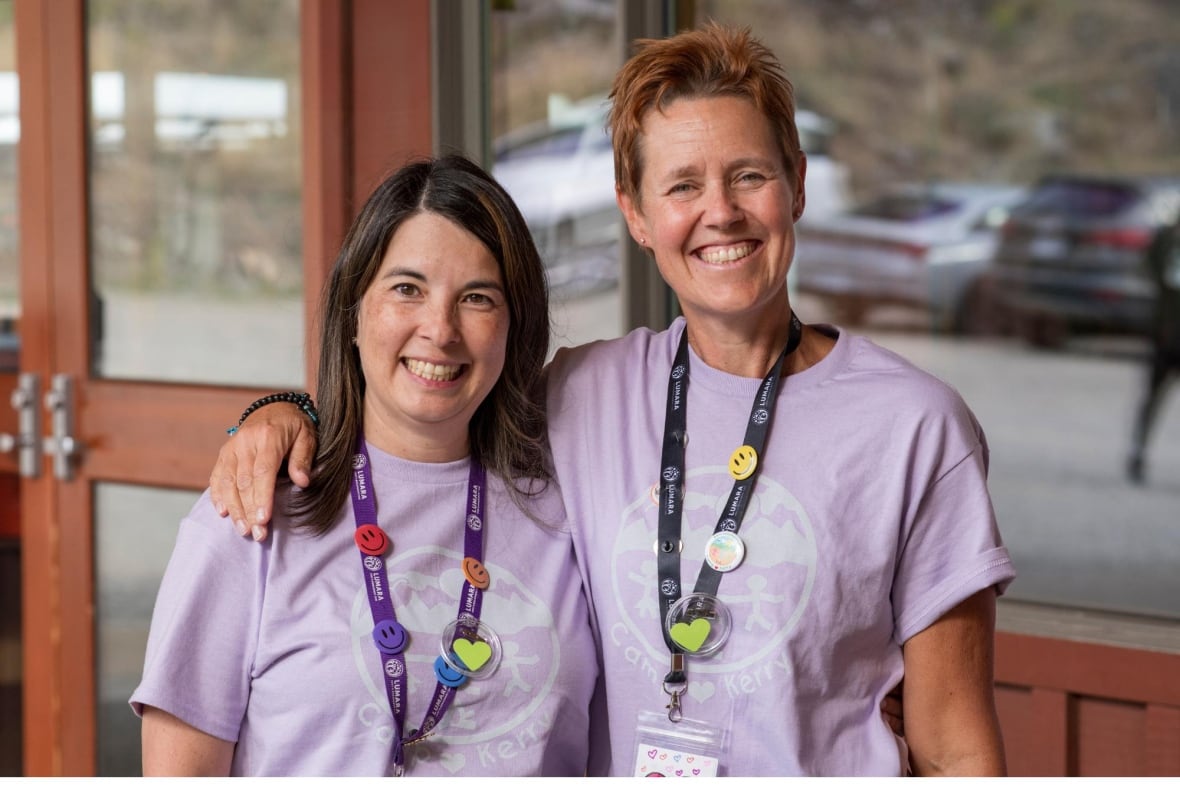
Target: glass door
(10,595)
(195,267)
(161,284)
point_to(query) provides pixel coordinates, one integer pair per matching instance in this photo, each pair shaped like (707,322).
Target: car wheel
(1047,332)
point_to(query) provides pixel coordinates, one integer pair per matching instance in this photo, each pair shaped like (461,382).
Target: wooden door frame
(49,52)
(365,72)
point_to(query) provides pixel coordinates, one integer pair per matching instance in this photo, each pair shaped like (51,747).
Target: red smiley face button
(371,539)
(475,573)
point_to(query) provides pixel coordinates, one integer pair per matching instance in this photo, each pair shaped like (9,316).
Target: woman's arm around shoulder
(242,484)
(173,748)
(951,724)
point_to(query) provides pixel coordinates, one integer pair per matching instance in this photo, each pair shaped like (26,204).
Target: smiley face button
(371,539)
(390,637)
(743,462)
(446,675)
(475,573)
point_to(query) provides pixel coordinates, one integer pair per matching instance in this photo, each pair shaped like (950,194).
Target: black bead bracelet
(301,400)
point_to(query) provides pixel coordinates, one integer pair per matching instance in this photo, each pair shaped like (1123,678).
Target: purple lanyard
(393,666)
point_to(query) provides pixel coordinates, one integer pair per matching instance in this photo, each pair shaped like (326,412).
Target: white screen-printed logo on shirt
(476,732)
(766,595)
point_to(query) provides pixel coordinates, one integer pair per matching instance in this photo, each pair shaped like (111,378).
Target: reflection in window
(195,191)
(1077,104)
(9,230)
(135,530)
(549,82)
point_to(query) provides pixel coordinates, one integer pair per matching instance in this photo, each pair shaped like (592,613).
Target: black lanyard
(672,479)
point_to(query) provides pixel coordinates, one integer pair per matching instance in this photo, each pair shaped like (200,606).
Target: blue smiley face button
(390,637)
(446,675)
(371,539)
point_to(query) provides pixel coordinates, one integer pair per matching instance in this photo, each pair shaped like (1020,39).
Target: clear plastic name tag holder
(699,624)
(474,651)
(685,749)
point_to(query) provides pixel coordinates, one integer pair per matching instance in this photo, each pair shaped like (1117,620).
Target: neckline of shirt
(387,465)
(717,381)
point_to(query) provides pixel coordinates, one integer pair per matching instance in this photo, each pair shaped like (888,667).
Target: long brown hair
(507,431)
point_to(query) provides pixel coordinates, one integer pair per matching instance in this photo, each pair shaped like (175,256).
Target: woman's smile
(432,372)
(724,254)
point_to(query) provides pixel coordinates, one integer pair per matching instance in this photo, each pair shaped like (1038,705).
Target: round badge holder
(699,624)
(476,656)
(724,551)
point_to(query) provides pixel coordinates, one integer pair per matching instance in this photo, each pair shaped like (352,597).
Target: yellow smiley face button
(742,462)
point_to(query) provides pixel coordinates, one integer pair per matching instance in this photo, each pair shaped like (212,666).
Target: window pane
(11,728)
(195,191)
(135,529)
(549,82)
(9,229)
(1018,160)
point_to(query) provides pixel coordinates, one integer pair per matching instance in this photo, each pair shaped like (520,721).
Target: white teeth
(730,254)
(420,368)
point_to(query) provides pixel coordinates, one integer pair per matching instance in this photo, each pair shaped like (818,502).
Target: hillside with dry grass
(918,89)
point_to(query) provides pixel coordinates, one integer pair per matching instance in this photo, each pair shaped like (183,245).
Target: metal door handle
(27,441)
(62,445)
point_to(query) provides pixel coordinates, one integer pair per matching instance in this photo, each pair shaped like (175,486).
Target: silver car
(918,245)
(561,174)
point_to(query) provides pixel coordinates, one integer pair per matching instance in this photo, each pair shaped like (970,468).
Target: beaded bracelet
(301,400)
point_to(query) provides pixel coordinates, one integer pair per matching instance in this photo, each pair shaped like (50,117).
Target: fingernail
(260,516)
(259,532)
(241,527)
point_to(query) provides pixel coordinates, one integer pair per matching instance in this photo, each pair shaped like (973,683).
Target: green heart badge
(474,654)
(691,636)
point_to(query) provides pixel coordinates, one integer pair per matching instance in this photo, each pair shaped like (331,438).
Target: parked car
(1071,256)
(918,245)
(561,173)
(9,346)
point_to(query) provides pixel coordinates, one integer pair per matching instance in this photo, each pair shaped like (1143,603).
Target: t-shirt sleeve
(952,549)
(204,627)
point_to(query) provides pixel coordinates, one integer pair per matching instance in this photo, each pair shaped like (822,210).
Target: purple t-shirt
(270,646)
(869,520)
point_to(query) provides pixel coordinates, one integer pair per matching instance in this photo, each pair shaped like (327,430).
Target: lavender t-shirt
(270,646)
(869,520)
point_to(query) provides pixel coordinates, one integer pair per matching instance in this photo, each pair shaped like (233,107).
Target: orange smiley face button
(743,462)
(475,573)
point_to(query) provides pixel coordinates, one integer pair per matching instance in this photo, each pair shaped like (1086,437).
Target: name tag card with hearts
(656,762)
(682,749)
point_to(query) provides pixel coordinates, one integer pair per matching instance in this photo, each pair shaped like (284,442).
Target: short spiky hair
(711,61)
